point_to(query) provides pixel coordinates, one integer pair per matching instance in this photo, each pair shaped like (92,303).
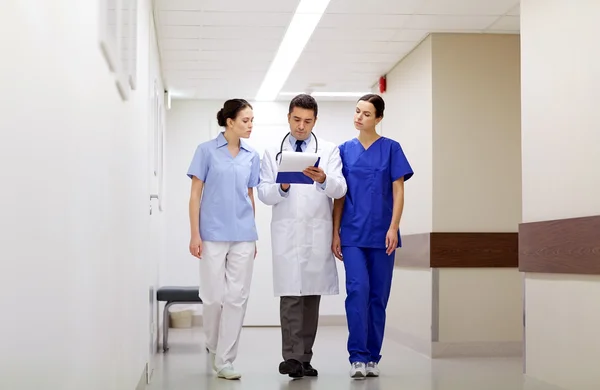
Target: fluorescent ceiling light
(303,24)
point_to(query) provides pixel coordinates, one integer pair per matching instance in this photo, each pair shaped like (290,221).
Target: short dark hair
(304,101)
(376,101)
(230,110)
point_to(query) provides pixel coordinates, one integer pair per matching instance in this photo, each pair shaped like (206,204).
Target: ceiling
(218,49)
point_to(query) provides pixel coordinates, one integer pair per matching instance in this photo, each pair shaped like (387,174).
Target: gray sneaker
(372,369)
(358,370)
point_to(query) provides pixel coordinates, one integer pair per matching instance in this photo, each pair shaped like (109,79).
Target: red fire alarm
(382,84)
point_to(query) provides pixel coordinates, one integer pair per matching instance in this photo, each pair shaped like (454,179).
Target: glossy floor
(186,367)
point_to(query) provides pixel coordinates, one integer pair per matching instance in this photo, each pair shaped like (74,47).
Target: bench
(175,295)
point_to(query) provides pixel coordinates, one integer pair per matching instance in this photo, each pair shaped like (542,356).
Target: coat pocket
(282,238)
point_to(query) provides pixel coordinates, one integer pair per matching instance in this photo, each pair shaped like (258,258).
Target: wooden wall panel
(474,250)
(566,246)
(458,250)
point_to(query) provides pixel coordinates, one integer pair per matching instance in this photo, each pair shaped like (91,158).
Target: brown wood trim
(415,251)
(474,250)
(564,246)
(458,250)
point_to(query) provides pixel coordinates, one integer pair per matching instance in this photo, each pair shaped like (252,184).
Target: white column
(561,179)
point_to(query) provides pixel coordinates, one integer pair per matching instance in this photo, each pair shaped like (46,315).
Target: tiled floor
(185,367)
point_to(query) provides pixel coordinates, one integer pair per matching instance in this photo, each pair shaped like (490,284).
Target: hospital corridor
(299,194)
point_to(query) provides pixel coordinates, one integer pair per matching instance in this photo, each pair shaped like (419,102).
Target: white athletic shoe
(372,369)
(358,370)
(228,372)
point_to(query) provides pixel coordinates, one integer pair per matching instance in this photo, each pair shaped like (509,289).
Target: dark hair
(230,110)
(304,101)
(376,101)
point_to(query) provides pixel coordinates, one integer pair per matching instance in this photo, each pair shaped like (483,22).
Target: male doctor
(301,232)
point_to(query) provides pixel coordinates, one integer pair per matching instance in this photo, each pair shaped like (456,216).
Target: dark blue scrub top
(369,200)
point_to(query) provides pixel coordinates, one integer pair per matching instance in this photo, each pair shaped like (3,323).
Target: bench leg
(168,304)
(166,326)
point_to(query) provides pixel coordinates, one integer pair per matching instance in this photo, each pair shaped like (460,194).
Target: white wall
(480,305)
(560,98)
(560,95)
(410,308)
(477,183)
(443,107)
(408,120)
(193,122)
(74,219)
(476,133)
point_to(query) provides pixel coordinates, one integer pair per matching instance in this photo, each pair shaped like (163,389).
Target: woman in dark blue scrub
(367,231)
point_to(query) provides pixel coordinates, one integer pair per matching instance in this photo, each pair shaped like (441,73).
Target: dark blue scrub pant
(368,284)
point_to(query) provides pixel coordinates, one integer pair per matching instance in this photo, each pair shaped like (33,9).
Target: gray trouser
(299,322)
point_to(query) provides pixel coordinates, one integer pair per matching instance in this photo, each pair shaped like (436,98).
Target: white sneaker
(228,372)
(358,370)
(372,369)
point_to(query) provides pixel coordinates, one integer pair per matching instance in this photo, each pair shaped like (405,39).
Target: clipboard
(292,165)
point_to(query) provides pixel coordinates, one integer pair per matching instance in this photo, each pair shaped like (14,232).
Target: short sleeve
(199,164)
(341,150)
(255,171)
(400,167)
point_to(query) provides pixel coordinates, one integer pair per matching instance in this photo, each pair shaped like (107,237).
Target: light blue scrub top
(369,200)
(226,212)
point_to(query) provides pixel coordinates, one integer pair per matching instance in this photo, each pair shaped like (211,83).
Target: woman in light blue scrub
(224,172)
(366,231)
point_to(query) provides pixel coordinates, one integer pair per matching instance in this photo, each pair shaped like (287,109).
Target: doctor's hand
(196,247)
(391,241)
(336,247)
(316,173)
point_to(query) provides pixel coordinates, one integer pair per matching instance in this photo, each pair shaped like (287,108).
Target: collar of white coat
(310,146)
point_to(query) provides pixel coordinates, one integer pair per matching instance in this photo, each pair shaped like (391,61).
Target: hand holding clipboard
(293,165)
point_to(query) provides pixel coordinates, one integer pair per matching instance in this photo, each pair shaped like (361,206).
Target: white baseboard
(333,320)
(142,382)
(455,349)
(415,343)
(428,348)
(324,320)
(477,349)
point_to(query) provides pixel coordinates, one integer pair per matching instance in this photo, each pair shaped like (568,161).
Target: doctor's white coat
(302,225)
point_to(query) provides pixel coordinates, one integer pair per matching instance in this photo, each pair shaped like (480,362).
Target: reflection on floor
(186,367)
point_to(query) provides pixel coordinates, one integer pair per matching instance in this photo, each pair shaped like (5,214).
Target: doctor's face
(301,122)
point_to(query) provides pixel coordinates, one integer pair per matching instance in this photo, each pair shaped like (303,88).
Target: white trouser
(225,278)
